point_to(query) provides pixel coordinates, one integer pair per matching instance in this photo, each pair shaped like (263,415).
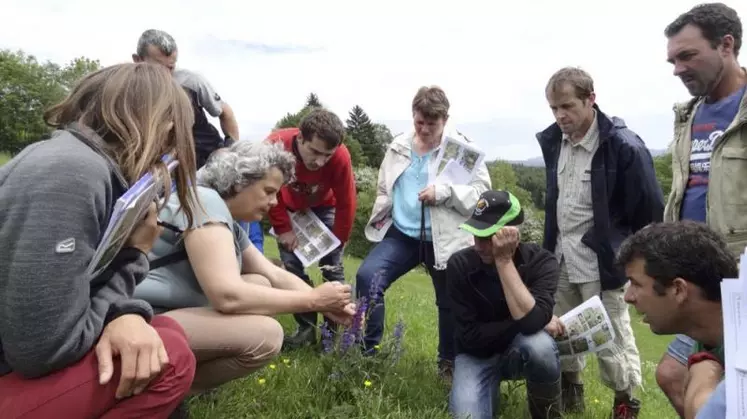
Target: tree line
(27,88)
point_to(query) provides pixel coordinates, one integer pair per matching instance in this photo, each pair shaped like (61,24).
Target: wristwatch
(701,356)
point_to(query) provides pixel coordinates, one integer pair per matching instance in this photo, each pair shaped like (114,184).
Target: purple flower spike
(328,342)
(353,333)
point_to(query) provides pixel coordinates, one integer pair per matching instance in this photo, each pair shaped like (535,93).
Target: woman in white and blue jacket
(416,221)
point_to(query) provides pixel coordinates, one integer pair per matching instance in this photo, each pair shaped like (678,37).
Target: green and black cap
(493,211)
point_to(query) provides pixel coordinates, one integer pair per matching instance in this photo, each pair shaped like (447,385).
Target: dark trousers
(333,260)
(389,260)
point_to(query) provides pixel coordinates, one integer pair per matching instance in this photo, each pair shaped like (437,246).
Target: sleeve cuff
(122,307)
(131,256)
(282,229)
(443,192)
(532,322)
(133,260)
(701,356)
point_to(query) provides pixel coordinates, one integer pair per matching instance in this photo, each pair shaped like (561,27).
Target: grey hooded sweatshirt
(56,197)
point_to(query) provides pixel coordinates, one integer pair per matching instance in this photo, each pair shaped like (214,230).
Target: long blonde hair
(141,113)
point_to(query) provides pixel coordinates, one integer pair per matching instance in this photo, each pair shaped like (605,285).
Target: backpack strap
(174,257)
(169,259)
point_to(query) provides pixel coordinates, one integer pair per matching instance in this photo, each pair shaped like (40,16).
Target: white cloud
(493,61)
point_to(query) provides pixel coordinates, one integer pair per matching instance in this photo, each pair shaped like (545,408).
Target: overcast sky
(493,62)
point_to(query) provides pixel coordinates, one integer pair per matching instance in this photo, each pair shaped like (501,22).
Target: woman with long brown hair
(73,344)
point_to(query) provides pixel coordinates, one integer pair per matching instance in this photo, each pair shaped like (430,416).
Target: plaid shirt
(575,216)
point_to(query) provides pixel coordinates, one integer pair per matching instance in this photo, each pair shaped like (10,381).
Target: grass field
(294,386)
(4,158)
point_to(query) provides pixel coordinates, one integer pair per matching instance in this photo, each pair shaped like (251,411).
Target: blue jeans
(474,391)
(715,406)
(333,259)
(389,260)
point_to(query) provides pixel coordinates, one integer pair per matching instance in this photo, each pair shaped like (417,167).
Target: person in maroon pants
(87,389)
(75,344)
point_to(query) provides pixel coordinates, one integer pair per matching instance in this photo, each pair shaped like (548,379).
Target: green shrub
(365,178)
(358,245)
(533,228)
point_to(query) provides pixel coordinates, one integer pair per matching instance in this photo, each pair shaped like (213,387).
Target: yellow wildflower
(367,383)
(261,381)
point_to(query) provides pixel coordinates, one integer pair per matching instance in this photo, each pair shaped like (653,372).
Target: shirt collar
(589,139)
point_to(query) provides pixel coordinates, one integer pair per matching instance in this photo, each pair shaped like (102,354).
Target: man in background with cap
(502,296)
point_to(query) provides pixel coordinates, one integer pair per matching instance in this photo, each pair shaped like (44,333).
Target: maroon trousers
(75,392)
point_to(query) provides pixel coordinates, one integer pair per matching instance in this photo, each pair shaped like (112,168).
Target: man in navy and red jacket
(324,183)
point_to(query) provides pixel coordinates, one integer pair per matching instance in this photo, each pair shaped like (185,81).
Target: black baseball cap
(493,211)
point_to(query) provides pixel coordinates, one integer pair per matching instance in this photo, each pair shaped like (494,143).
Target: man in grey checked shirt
(601,188)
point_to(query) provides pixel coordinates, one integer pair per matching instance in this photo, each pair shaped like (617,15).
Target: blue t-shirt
(710,122)
(406,212)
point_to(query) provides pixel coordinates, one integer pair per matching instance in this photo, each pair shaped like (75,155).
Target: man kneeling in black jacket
(502,297)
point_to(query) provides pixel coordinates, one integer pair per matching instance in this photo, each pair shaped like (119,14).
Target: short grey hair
(231,169)
(159,39)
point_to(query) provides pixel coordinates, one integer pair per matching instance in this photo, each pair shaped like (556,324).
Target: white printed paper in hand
(457,162)
(588,329)
(129,209)
(734,310)
(315,240)
(739,315)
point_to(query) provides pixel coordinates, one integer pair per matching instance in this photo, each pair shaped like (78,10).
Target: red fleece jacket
(331,186)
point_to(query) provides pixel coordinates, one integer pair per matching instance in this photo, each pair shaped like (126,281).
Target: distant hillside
(540,162)
(533,162)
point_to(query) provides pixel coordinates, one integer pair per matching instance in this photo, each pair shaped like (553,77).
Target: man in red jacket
(324,184)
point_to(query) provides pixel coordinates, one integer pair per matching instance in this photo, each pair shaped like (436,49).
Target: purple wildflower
(348,338)
(399,330)
(328,342)
(353,333)
(360,319)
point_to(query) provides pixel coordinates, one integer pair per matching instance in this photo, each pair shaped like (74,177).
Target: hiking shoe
(573,396)
(446,370)
(181,411)
(626,408)
(544,400)
(305,336)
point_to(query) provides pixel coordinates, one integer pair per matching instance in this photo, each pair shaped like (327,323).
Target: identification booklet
(129,209)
